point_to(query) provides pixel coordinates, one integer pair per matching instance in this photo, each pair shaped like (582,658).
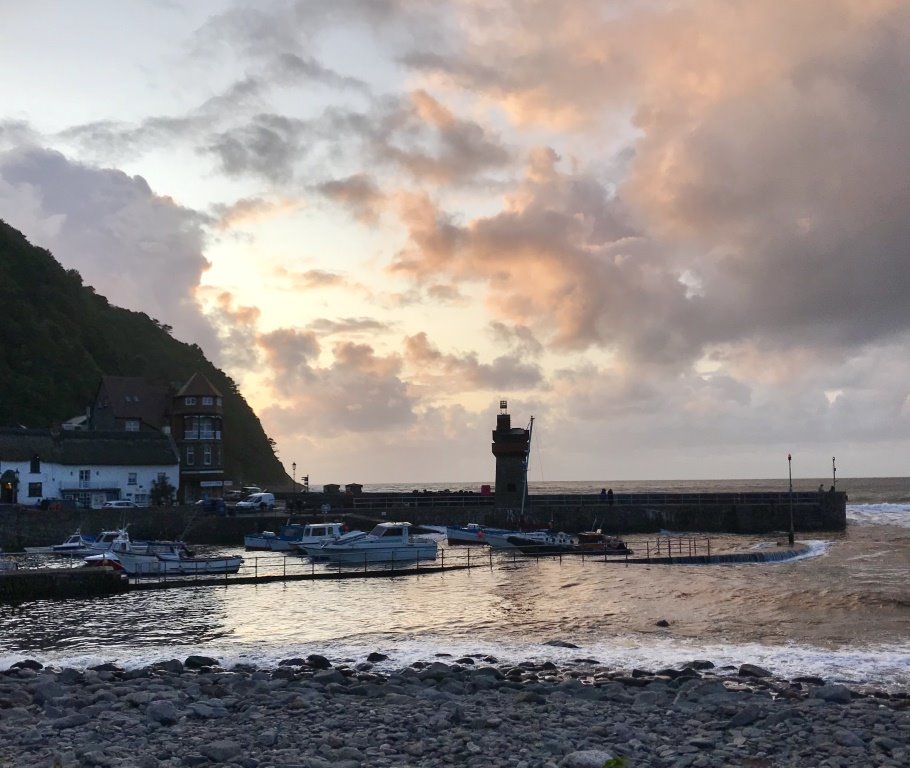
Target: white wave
(885,667)
(879,514)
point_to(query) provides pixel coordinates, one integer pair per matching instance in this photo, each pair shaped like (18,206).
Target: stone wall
(721,513)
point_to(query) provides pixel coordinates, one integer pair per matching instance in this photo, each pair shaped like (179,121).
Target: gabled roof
(132,397)
(76,448)
(198,385)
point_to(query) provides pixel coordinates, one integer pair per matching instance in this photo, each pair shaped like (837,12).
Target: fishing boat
(387,542)
(156,558)
(559,543)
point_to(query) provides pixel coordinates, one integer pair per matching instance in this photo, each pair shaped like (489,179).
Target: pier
(79,582)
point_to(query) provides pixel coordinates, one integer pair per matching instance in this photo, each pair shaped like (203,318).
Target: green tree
(162,493)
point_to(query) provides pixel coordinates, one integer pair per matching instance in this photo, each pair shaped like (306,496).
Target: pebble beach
(470,711)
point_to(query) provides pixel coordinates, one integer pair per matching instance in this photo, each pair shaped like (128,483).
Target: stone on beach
(438,713)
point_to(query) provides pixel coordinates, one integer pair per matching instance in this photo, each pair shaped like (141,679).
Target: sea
(841,611)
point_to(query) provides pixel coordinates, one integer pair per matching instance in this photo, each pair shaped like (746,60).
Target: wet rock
(838,694)
(560,644)
(162,711)
(199,662)
(28,664)
(317,661)
(753,670)
(661,623)
(221,750)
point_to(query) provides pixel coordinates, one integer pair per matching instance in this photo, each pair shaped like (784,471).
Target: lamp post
(294,471)
(833,475)
(790,471)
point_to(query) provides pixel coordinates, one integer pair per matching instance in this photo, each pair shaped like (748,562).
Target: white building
(87,468)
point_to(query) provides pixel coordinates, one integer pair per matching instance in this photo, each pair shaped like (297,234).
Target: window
(34,490)
(208,400)
(131,478)
(206,429)
(190,427)
(207,455)
(35,467)
(217,401)
(132,425)
(189,401)
(190,456)
(85,476)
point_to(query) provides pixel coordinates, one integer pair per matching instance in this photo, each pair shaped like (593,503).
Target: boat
(559,543)
(315,551)
(317,534)
(259,540)
(288,537)
(76,545)
(473,533)
(387,542)
(105,539)
(157,558)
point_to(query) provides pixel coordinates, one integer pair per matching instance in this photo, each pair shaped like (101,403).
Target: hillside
(57,338)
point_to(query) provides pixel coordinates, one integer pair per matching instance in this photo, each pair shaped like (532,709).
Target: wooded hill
(58,337)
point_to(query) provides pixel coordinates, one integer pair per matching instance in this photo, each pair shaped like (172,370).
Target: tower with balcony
(510,447)
(196,420)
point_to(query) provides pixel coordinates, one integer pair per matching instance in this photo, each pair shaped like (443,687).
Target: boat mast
(527,459)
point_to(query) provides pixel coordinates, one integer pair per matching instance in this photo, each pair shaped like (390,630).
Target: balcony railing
(196,434)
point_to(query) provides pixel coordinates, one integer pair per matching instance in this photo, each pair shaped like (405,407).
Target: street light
(833,475)
(790,471)
(294,470)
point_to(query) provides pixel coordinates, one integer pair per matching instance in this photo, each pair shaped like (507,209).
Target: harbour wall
(59,583)
(22,527)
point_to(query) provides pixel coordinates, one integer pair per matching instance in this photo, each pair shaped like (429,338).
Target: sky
(675,232)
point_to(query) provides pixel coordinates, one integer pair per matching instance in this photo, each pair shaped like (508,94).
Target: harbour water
(842,612)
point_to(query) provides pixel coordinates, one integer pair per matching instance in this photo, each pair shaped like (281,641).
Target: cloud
(359,193)
(433,366)
(250,210)
(359,392)
(138,249)
(268,146)
(237,328)
(348,325)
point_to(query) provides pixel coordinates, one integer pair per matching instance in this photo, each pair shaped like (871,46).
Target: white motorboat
(473,533)
(105,539)
(317,534)
(76,545)
(504,539)
(156,558)
(387,542)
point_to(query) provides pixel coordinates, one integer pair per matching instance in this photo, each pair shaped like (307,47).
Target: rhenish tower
(510,447)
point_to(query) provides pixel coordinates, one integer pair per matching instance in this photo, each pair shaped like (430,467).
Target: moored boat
(77,544)
(156,558)
(387,542)
(473,533)
(559,543)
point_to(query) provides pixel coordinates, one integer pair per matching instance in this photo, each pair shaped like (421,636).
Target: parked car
(261,501)
(120,504)
(212,506)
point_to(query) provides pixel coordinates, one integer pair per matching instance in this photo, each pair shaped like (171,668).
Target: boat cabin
(392,531)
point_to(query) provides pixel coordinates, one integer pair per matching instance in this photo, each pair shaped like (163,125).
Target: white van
(261,501)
